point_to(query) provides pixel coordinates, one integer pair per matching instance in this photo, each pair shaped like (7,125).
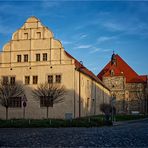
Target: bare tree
(49,94)
(106,109)
(8,92)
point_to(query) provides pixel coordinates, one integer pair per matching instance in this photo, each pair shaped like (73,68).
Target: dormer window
(38,35)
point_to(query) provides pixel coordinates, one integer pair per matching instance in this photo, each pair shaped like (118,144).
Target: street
(125,135)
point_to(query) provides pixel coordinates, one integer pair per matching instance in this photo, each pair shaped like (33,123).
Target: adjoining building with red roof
(33,57)
(128,89)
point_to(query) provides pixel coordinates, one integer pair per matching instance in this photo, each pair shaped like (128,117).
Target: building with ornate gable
(129,90)
(33,57)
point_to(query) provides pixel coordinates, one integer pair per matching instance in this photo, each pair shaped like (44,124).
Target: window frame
(28,81)
(15,102)
(44,101)
(4,80)
(38,57)
(45,57)
(57,80)
(26,35)
(25,57)
(48,80)
(12,80)
(35,79)
(19,58)
(38,35)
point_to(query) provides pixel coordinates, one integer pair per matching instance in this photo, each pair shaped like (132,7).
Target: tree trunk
(6,113)
(23,112)
(47,112)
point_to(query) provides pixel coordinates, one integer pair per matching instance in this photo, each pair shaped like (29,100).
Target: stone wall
(129,96)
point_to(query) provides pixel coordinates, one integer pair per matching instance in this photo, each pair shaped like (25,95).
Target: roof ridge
(86,71)
(128,72)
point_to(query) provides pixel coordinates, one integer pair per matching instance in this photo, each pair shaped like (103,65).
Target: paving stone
(124,135)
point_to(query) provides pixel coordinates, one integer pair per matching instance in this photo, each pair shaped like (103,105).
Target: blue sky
(89,30)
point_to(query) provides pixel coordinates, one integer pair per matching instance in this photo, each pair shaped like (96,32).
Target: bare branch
(52,92)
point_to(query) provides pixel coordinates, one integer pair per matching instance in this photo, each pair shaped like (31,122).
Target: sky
(89,30)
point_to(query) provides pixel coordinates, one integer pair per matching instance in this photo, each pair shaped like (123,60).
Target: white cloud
(94,50)
(84,46)
(113,26)
(105,38)
(107,50)
(49,4)
(83,36)
(66,42)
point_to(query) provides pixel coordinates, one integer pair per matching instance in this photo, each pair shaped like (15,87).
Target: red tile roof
(122,68)
(85,71)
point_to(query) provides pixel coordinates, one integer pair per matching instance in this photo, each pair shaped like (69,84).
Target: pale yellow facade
(31,39)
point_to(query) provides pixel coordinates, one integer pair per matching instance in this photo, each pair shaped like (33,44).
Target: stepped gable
(121,68)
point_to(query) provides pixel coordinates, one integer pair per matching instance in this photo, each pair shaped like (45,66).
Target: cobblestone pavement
(124,135)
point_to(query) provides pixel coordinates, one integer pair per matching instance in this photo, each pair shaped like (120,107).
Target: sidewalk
(116,123)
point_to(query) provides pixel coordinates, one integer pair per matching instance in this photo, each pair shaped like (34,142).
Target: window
(27,80)
(88,84)
(46,101)
(44,56)
(58,78)
(87,103)
(12,80)
(15,102)
(8,80)
(5,80)
(25,57)
(112,72)
(35,79)
(19,58)
(37,57)
(25,35)
(38,35)
(50,79)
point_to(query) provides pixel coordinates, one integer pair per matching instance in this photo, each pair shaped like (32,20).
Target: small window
(88,84)
(58,78)
(12,80)
(38,35)
(44,56)
(35,79)
(37,57)
(46,101)
(27,80)
(112,72)
(88,102)
(25,57)
(19,58)
(50,79)
(25,35)
(5,80)
(15,102)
